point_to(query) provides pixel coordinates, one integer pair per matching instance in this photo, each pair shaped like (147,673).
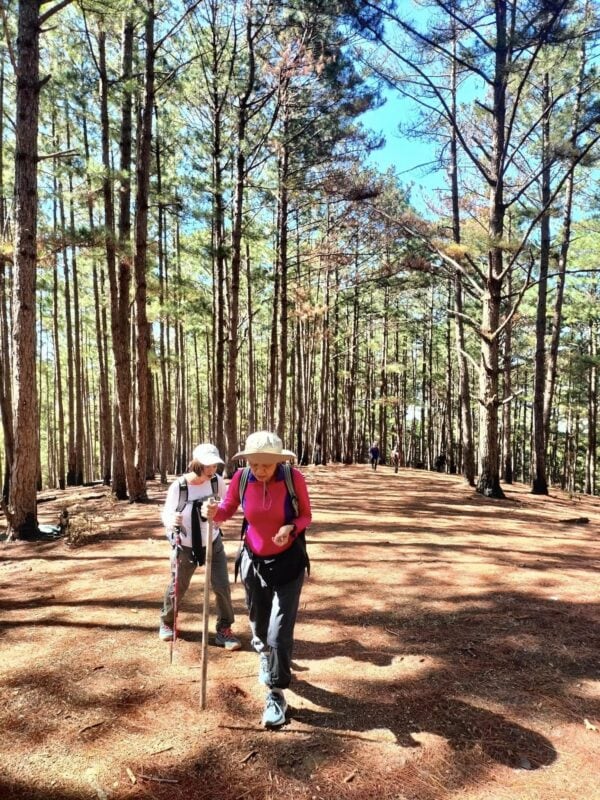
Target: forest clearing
(202,237)
(447,646)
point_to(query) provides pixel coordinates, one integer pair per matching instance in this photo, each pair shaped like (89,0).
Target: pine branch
(54,10)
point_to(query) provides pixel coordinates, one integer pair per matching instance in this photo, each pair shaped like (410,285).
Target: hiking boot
(275,708)
(226,639)
(165,632)
(264,673)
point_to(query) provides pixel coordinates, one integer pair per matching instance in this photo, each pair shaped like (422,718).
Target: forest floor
(447,646)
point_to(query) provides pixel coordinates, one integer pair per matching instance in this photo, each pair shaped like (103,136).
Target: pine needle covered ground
(447,646)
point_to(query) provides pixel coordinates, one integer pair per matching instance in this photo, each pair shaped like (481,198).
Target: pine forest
(198,241)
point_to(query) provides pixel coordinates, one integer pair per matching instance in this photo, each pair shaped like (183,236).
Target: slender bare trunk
(24,468)
(144,159)
(540,482)
(489,475)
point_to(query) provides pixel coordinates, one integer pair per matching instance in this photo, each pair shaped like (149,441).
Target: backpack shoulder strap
(301,535)
(183,494)
(244,477)
(289,482)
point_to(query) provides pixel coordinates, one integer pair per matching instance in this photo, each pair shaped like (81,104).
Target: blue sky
(406,154)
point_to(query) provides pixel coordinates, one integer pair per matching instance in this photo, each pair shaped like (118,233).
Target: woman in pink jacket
(273,558)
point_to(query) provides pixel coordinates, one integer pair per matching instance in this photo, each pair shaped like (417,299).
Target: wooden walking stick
(206,610)
(175,592)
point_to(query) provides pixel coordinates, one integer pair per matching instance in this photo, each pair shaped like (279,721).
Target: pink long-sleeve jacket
(267,506)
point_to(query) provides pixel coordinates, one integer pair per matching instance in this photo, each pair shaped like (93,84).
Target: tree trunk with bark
(540,482)
(282,370)
(489,452)
(24,468)
(119,282)
(137,491)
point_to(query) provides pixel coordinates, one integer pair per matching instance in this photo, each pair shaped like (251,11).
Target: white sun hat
(207,455)
(265,447)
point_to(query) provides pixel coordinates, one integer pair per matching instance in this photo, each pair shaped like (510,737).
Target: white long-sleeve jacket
(195,492)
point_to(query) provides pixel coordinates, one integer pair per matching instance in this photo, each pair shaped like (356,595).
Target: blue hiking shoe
(264,673)
(275,708)
(165,632)
(226,639)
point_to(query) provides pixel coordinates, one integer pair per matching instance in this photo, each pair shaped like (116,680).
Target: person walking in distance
(273,558)
(182,517)
(374,455)
(396,457)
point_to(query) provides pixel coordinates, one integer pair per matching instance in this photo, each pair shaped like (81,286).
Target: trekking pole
(175,594)
(206,611)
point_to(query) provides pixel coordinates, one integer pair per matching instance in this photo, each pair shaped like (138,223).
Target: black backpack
(198,551)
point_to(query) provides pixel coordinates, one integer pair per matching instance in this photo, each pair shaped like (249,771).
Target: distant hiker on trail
(181,517)
(440,462)
(273,556)
(374,455)
(396,457)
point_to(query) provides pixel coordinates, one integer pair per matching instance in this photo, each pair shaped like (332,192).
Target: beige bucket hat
(207,454)
(265,447)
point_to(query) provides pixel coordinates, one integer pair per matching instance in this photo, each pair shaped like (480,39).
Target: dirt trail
(447,646)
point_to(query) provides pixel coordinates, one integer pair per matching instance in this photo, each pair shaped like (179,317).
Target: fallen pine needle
(248,757)
(93,725)
(351,776)
(132,777)
(155,779)
(162,750)
(247,792)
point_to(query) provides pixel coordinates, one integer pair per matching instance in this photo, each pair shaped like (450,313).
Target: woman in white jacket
(187,531)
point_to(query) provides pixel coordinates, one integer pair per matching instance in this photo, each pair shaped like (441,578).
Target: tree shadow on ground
(407,710)
(513,648)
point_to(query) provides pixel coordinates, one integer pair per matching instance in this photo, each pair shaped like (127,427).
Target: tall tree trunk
(337,439)
(218,229)
(232,395)
(282,370)
(322,423)
(165,450)
(60,456)
(119,283)
(540,482)
(565,242)
(144,159)
(448,440)
(464,390)
(273,349)
(251,359)
(5,382)
(383,385)
(24,468)
(489,461)
(5,324)
(78,477)
(105,411)
(71,388)
(300,346)
(591,456)
(507,467)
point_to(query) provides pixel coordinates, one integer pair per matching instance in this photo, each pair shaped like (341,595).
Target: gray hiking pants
(219,582)
(272,612)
